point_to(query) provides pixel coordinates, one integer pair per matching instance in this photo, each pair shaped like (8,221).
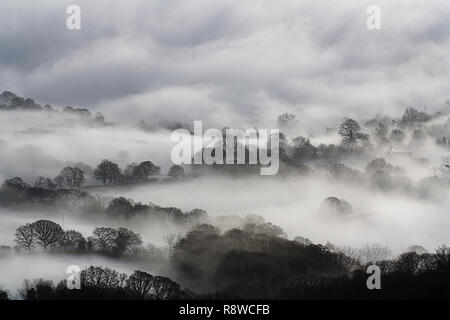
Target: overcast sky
(226,60)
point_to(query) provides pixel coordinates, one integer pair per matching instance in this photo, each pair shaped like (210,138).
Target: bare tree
(25,236)
(102,278)
(47,232)
(350,130)
(107,171)
(126,240)
(145,169)
(163,288)
(103,238)
(140,284)
(70,177)
(72,240)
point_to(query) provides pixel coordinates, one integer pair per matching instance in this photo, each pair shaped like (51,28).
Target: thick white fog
(395,220)
(34,145)
(41,145)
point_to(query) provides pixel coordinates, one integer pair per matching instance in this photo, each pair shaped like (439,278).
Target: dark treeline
(11,102)
(248,263)
(16,193)
(97,283)
(257,262)
(107,172)
(104,240)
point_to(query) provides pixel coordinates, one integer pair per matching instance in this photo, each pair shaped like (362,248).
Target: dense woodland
(252,262)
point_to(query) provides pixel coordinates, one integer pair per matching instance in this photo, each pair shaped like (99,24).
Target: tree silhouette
(107,171)
(70,177)
(139,284)
(15,183)
(72,241)
(164,289)
(103,238)
(47,232)
(145,169)
(25,236)
(350,130)
(101,278)
(120,207)
(126,240)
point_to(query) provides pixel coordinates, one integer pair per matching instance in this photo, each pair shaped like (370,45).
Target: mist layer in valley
(385,184)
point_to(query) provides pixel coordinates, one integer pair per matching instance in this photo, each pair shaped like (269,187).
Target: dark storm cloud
(224,60)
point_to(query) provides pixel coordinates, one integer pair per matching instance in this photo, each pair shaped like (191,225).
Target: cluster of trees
(255,256)
(415,274)
(381,174)
(351,131)
(109,172)
(298,149)
(98,283)
(68,178)
(248,264)
(365,255)
(385,129)
(357,138)
(10,101)
(114,241)
(122,207)
(50,236)
(15,192)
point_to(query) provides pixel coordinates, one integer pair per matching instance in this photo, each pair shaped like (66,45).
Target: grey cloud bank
(228,62)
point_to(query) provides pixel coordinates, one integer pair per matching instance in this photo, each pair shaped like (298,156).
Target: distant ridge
(12,102)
